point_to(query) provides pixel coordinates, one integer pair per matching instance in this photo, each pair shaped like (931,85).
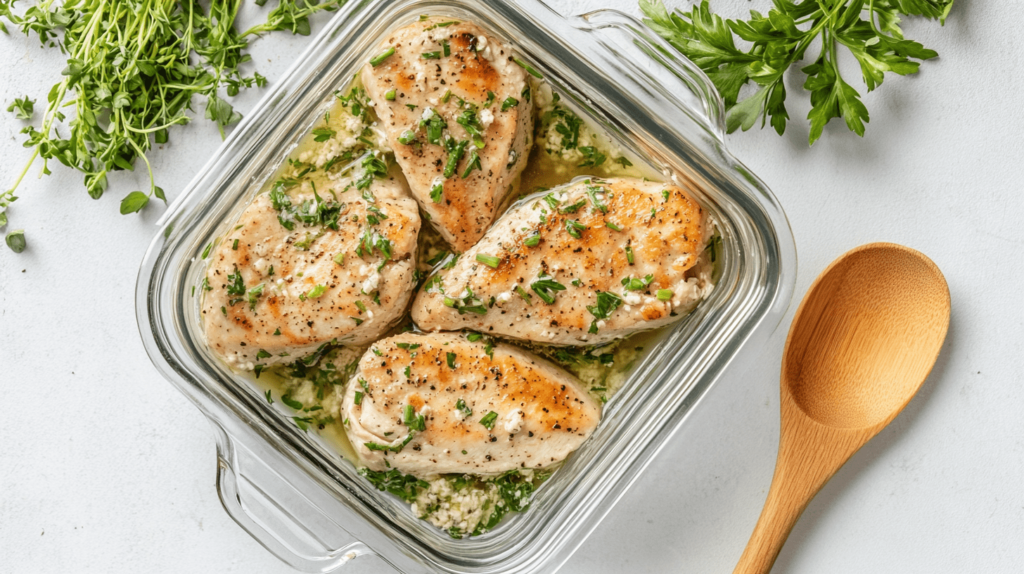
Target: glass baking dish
(305,503)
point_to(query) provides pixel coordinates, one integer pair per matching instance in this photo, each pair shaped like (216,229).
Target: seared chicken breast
(302,268)
(582,265)
(455,107)
(429,404)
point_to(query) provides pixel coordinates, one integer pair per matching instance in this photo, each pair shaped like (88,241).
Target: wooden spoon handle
(809,455)
(780,513)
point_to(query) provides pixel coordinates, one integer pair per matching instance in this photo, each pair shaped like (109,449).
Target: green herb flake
(390,95)
(545,288)
(664,294)
(358,399)
(379,59)
(451,360)
(509,103)
(488,260)
(489,419)
(613,226)
(574,227)
(436,192)
(529,69)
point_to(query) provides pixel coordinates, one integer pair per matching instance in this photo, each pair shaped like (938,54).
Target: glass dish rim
(706,122)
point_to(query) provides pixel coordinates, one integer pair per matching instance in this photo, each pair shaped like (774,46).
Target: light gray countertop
(105,467)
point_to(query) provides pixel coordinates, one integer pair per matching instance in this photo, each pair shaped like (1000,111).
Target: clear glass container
(296,495)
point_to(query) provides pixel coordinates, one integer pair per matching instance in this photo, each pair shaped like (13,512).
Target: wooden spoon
(863,340)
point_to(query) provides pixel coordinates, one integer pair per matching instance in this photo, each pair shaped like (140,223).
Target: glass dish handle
(277,515)
(645,53)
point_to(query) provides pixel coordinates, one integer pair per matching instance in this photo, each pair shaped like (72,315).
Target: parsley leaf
(775,42)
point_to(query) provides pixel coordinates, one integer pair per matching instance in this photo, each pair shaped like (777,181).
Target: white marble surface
(104,467)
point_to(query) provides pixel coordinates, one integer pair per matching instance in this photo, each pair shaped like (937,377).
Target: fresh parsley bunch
(133,69)
(869,29)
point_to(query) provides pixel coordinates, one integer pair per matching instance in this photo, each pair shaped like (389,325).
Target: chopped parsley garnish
(488,260)
(665,294)
(446,48)
(624,162)
(288,400)
(441,25)
(451,360)
(509,103)
(407,371)
(277,332)
(236,286)
(234,245)
(408,346)
(488,420)
(455,152)
(522,293)
(206,252)
(379,59)
(389,448)
(545,288)
(474,337)
(339,258)
(361,306)
(526,93)
(472,164)
(532,240)
(357,320)
(664,194)
(568,126)
(270,399)
(358,400)
(253,296)
(436,191)
(323,134)
(461,406)
(412,420)
(316,291)
(613,226)
(572,208)
(606,304)
(262,354)
(434,124)
(591,157)
(635,284)
(592,191)
(390,95)
(431,55)
(471,123)
(529,69)
(404,486)
(407,137)
(574,227)
(629,254)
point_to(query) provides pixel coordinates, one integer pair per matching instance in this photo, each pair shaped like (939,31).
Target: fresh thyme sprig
(133,69)
(869,29)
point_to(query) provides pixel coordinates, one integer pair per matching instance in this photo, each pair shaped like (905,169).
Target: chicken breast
(441,403)
(581,265)
(301,269)
(455,107)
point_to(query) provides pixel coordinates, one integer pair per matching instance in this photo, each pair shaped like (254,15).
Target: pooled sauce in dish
(451,274)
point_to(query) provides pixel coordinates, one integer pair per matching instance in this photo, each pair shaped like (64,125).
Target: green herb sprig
(133,70)
(868,29)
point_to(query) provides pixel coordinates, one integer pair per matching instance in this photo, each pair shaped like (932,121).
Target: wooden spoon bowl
(861,344)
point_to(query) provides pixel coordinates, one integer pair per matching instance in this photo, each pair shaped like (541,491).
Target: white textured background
(104,467)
